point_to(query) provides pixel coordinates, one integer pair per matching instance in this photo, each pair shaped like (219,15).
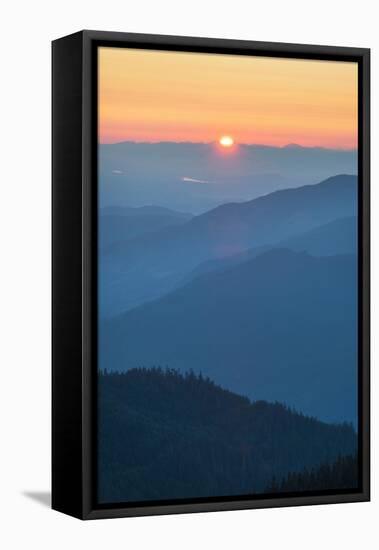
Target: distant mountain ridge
(281,312)
(154,264)
(135,174)
(336,237)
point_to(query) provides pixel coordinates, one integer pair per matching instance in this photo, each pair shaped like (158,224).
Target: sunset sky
(174,96)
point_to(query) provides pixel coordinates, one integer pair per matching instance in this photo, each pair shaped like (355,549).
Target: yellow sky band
(176,96)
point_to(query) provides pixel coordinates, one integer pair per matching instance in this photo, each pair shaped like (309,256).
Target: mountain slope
(279,327)
(151,265)
(167,436)
(120,224)
(334,238)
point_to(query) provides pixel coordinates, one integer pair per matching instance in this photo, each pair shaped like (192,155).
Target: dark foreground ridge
(164,435)
(342,474)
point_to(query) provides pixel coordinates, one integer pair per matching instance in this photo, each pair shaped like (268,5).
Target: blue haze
(139,174)
(250,278)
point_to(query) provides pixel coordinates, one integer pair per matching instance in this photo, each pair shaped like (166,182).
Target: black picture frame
(74,270)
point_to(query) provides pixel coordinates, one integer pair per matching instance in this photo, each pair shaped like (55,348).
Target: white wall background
(27,29)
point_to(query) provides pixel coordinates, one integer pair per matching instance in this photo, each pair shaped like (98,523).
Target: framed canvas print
(210,274)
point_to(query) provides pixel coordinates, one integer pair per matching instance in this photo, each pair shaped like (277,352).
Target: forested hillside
(164,435)
(342,474)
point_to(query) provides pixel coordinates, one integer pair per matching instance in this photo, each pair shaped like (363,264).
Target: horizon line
(238,144)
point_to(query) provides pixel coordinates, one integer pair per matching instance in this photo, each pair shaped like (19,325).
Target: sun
(226,141)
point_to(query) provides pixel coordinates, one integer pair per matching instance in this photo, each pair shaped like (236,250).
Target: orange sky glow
(176,96)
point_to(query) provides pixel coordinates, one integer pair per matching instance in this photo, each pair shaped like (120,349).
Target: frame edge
(84,508)
(67,476)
